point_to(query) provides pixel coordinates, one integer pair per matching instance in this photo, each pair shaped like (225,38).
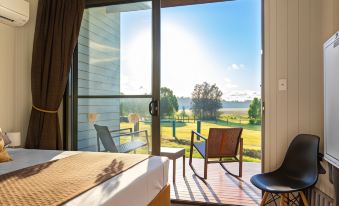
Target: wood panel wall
(294,32)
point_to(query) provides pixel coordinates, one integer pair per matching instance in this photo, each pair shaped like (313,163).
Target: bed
(145,182)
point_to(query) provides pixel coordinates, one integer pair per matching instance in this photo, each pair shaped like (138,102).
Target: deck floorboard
(220,187)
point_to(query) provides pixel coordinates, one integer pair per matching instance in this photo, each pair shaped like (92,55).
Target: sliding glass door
(115,79)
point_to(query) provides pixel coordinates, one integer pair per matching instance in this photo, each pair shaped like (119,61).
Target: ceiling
(172,3)
(164,3)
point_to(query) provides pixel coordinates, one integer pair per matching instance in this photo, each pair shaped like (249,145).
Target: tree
(206,100)
(183,112)
(168,102)
(139,106)
(254,111)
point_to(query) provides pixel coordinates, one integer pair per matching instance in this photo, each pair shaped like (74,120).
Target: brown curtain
(56,33)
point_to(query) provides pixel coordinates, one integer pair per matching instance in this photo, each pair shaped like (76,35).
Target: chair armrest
(198,134)
(131,134)
(119,130)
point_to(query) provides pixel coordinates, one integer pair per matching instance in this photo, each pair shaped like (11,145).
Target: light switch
(282,84)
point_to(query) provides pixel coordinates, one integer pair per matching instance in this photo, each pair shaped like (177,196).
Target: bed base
(163,197)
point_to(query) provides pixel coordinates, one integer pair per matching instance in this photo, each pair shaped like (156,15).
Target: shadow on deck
(220,187)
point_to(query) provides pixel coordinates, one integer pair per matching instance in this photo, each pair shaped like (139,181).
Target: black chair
(298,172)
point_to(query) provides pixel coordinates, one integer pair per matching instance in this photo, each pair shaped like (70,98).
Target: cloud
(235,66)
(241,95)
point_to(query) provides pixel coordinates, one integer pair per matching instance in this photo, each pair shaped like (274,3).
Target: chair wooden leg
(183,166)
(303,197)
(174,169)
(263,201)
(191,154)
(240,168)
(287,199)
(230,173)
(205,168)
(241,157)
(282,199)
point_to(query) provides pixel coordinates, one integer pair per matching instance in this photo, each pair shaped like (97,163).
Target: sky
(218,43)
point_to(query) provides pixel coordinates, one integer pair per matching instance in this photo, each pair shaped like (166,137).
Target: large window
(211,72)
(111,89)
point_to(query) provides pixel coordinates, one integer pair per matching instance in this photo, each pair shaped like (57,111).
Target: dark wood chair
(107,140)
(223,145)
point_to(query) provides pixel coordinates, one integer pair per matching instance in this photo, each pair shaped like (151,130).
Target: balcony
(219,188)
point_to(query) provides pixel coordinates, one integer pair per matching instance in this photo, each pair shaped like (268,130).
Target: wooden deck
(220,187)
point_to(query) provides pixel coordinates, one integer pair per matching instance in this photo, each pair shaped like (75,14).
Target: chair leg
(282,199)
(263,201)
(287,199)
(304,199)
(205,168)
(191,154)
(241,156)
(184,166)
(174,169)
(196,174)
(229,172)
(240,168)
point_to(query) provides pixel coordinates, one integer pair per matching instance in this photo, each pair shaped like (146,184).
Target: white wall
(15,63)
(295,31)
(7,89)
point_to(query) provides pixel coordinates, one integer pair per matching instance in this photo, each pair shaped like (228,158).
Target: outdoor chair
(111,144)
(298,172)
(222,146)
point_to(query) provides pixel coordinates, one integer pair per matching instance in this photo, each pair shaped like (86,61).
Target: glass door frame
(72,97)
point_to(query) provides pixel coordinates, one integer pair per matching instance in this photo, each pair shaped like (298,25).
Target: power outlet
(282,84)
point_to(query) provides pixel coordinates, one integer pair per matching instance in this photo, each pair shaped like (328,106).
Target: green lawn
(251,134)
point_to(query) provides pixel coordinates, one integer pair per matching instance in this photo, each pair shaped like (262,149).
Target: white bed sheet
(137,186)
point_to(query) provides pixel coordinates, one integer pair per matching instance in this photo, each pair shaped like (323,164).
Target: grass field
(251,133)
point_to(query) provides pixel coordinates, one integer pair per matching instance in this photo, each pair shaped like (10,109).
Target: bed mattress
(135,187)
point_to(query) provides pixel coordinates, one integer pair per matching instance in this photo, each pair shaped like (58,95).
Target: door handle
(262,106)
(153,107)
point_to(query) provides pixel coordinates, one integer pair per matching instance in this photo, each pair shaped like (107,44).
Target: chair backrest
(223,142)
(106,139)
(301,160)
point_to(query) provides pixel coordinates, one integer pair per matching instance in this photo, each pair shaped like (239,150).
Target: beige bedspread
(56,182)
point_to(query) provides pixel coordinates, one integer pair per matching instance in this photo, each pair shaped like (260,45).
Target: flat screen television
(331,100)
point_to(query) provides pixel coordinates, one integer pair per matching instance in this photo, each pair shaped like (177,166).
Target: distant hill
(236,104)
(186,102)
